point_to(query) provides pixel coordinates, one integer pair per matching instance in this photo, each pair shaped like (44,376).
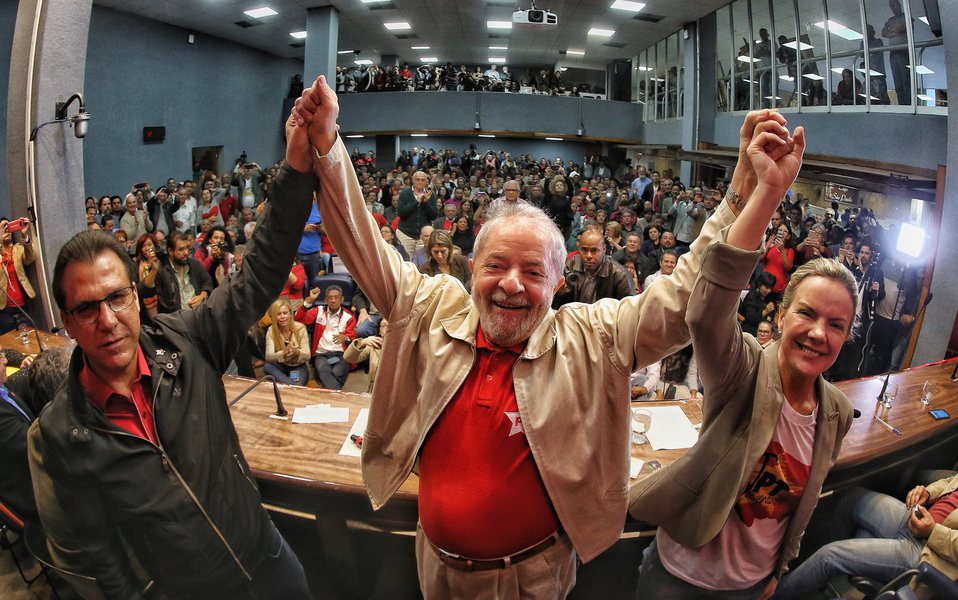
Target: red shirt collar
(99,391)
(484,344)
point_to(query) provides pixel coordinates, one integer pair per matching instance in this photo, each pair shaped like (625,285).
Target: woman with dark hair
(462,235)
(779,257)
(558,205)
(390,236)
(443,260)
(215,253)
(653,237)
(208,209)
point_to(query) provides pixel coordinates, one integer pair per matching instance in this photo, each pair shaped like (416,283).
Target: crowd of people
(451,78)
(465,256)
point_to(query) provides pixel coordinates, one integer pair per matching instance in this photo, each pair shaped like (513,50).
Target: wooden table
(11,339)
(300,471)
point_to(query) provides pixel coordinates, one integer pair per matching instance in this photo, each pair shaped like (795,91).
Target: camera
(572,279)
(16,225)
(223,245)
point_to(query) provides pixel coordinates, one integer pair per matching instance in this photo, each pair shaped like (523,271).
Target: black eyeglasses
(89,312)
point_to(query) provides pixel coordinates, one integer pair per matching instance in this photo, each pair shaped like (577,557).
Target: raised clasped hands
(312,123)
(775,155)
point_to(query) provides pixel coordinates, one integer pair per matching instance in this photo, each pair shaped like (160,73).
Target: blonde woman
(287,346)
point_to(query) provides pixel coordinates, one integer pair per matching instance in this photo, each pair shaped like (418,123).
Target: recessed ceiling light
(922,70)
(746,59)
(259,13)
(499,24)
(420,48)
(643,68)
(552,139)
(801,45)
(301,35)
(924,20)
(418,135)
(363,61)
(813,76)
(628,5)
(498,47)
(840,30)
(924,97)
(786,78)
(871,72)
(576,52)
(355,137)
(486,135)
(563,69)
(397,26)
(428,59)
(602,32)
(345,52)
(498,60)
(374,1)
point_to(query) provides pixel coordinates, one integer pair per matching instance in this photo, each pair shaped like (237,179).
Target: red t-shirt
(480,492)
(294,291)
(14,290)
(944,506)
(135,414)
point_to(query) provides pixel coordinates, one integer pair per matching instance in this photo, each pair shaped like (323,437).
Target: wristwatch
(732,197)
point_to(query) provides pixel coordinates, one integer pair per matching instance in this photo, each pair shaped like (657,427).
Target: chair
(11,523)
(899,589)
(345,282)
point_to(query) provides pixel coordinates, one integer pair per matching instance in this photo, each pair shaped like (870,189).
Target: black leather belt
(463,563)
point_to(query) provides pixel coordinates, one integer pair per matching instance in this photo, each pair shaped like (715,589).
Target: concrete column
(47,65)
(940,314)
(387,151)
(322,43)
(690,96)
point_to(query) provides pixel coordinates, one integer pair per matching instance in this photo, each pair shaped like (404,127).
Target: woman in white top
(287,346)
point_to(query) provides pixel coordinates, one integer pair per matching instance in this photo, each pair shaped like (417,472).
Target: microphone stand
(25,314)
(280,409)
(921,311)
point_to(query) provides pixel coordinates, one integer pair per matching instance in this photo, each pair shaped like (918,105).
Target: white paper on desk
(321,413)
(358,428)
(635,466)
(671,429)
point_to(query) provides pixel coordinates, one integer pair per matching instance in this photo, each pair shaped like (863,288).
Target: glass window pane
(930,56)
(672,81)
(887,18)
(845,29)
(660,75)
(763,49)
(744,84)
(724,66)
(680,79)
(786,54)
(811,25)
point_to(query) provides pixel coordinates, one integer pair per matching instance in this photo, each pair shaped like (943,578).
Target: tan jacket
(571,382)
(691,499)
(22,255)
(941,549)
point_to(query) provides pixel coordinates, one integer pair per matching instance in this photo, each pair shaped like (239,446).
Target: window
(724,61)
(815,78)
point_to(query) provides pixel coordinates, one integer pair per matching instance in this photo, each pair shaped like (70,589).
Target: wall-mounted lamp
(581,130)
(80,120)
(477,125)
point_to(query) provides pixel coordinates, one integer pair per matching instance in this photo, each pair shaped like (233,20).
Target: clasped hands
(768,153)
(312,125)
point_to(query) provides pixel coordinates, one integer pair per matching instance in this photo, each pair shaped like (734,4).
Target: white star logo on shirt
(516,421)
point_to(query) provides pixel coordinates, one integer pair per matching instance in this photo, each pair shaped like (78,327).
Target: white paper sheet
(321,413)
(635,466)
(671,429)
(358,428)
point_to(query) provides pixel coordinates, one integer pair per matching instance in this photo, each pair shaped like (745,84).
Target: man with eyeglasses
(136,461)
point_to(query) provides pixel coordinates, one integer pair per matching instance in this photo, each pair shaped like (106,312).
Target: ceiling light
(301,35)
(563,69)
(428,59)
(925,98)
(801,45)
(602,32)
(420,48)
(748,59)
(922,70)
(840,30)
(871,72)
(643,68)
(628,5)
(837,70)
(374,1)
(355,137)
(497,60)
(813,76)
(576,52)
(486,135)
(553,139)
(259,13)
(786,78)
(419,135)
(498,47)
(363,61)
(499,24)
(344,51)
(924,20)
(398,26)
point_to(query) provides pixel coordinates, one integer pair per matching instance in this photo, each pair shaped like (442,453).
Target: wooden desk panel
(11,339)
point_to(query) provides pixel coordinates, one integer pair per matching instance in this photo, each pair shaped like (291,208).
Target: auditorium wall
(8,18)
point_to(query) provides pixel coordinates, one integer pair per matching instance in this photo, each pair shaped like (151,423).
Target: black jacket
(187,508)
(15,489)
(168,286)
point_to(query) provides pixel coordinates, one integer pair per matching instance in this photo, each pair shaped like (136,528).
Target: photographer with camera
(591,275)
(13,277)
(215,254)
(248,179)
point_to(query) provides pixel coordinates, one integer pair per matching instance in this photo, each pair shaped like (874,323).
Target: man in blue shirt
(310,254)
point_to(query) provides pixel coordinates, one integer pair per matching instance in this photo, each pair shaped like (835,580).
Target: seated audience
(463,236)
(765,333)
(667,265)
(779,257)
(390,236)
(287,346)
(644,383)
(182,281)
(758,305)
(333,328)
(890,537)
(591,275)
(442,259)
(366,349)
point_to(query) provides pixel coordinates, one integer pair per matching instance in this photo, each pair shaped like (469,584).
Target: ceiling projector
(534,16)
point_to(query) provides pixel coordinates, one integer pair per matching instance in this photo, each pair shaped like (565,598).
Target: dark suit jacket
(16,488)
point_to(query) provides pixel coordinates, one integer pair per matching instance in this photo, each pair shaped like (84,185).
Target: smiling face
(512,286)
(814,327)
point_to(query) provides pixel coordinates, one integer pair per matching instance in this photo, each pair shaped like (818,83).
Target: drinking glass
(891,392)
(927,391)
(641,423)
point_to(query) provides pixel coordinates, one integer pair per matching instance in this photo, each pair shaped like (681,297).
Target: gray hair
(501,212)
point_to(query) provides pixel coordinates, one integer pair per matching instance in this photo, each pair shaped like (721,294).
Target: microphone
(884,387)
(25,314)
(280,409)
